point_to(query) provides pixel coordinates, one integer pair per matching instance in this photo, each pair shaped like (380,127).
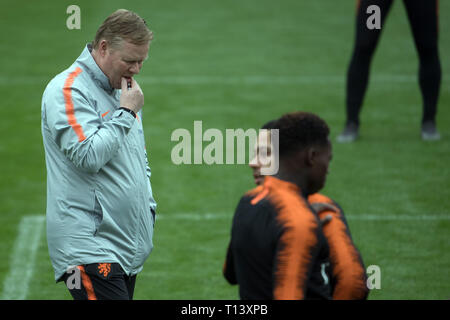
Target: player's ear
(311,154)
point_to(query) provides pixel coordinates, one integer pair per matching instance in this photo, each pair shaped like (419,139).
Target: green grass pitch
(237,64)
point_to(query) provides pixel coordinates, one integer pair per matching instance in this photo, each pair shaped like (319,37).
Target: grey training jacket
(100,207)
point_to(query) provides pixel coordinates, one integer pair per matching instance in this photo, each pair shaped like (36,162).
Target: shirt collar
(93,69)
(272,183)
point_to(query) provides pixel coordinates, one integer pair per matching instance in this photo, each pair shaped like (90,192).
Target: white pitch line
(229,80)
(362,217)
(267,79)
(193,216)
(15,285)
(400,217)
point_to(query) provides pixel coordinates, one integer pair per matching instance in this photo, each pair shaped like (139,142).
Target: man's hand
(131,98)
(322,206)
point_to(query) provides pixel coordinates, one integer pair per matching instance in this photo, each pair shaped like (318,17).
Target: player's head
(121,45)
(262,153)
(304,150)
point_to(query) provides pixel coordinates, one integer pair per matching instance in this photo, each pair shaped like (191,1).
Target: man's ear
(311,154)
(103,47)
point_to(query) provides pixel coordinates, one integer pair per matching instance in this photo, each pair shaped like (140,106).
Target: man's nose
(254,163)
(135,68)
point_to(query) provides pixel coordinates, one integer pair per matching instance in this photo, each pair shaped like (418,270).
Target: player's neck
(298,179)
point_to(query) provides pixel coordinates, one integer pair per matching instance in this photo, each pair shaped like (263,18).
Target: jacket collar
(93,69)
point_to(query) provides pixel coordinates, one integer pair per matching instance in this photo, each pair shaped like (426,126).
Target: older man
(100,207)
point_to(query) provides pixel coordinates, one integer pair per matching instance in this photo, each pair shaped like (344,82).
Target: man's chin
(259,180)
(116,85)
(317,188)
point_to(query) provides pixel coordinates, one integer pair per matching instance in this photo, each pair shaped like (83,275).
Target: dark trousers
(423,19)
(99,281)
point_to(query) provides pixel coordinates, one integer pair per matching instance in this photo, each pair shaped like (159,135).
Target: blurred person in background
(260,255)
(423,19)
(347,267)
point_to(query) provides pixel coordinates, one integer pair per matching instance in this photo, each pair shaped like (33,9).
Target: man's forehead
(131,51)
(327,148)
(263,140)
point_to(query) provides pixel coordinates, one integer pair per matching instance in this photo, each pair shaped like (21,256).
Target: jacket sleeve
(147,168)
(149,173)
(78,130)
(348,270)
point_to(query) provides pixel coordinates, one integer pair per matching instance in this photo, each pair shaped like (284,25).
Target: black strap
(129,111)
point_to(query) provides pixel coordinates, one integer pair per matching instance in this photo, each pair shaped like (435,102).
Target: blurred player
(423,18)
(348,275)
(277,248)
(100,207)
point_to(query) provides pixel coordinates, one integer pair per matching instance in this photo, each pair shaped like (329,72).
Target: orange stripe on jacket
(70,112)
(358,4)
(87,283)
(297,239)
(347,266)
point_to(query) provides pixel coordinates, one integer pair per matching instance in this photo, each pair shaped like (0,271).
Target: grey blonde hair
(123,25)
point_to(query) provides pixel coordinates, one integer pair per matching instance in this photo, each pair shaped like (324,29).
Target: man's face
(319,168)
(261,157)
(125,60)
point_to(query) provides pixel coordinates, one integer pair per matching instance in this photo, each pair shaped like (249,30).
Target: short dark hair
(269,125)
(298,130)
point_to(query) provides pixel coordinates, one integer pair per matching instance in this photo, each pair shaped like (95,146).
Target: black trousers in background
(423,19)
(100,281)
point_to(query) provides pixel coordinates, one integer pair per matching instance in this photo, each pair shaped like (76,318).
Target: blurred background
(236,64)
